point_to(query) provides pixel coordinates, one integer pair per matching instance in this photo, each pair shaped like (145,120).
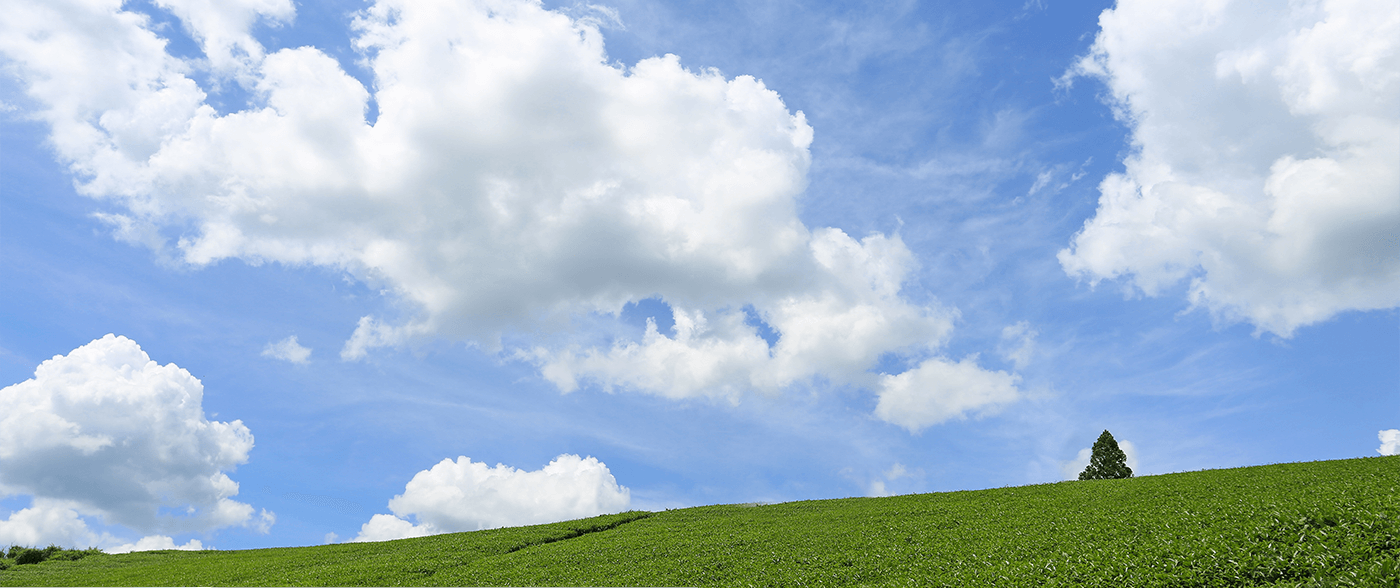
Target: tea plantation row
(1334,523)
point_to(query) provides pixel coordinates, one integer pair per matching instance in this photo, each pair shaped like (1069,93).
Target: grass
(1331,523)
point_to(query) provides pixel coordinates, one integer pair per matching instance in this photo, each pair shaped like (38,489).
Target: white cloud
(383,527)
(49,522)
(838,331)
(58,522)
(1390,442)
(938,390)
(470,496)
(104,431)
(1265,139)
(222,29)
(514,183)
(1072,469)
(877,487)
(288,350)
(155,542)
(1018,344)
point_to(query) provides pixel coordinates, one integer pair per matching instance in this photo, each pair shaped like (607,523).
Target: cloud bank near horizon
(463,495)
(1390,442)
(106,432)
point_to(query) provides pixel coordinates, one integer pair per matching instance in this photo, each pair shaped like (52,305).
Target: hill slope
(1332,523)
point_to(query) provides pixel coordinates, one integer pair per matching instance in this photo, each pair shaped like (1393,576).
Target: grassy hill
(1331,523)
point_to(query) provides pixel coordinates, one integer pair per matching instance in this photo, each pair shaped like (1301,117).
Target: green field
(1331,523)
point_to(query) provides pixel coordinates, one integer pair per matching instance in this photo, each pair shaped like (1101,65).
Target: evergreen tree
(1108,461)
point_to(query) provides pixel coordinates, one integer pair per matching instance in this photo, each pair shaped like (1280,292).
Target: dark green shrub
(73,554)
(29,556)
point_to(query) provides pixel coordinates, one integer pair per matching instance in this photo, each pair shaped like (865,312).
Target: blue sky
(663,254)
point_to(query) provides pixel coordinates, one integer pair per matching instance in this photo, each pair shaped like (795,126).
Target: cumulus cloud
(1265,138)
(383,527)
(464,495)
(58,522)
(938,390)
(49,522)
(222,29)
(105,431)
(288,350)
(156,542)
(1072,469)
(1390,442)
(515,184)
(838,331)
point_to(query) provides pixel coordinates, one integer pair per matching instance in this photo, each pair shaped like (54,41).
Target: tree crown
(1108,461)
